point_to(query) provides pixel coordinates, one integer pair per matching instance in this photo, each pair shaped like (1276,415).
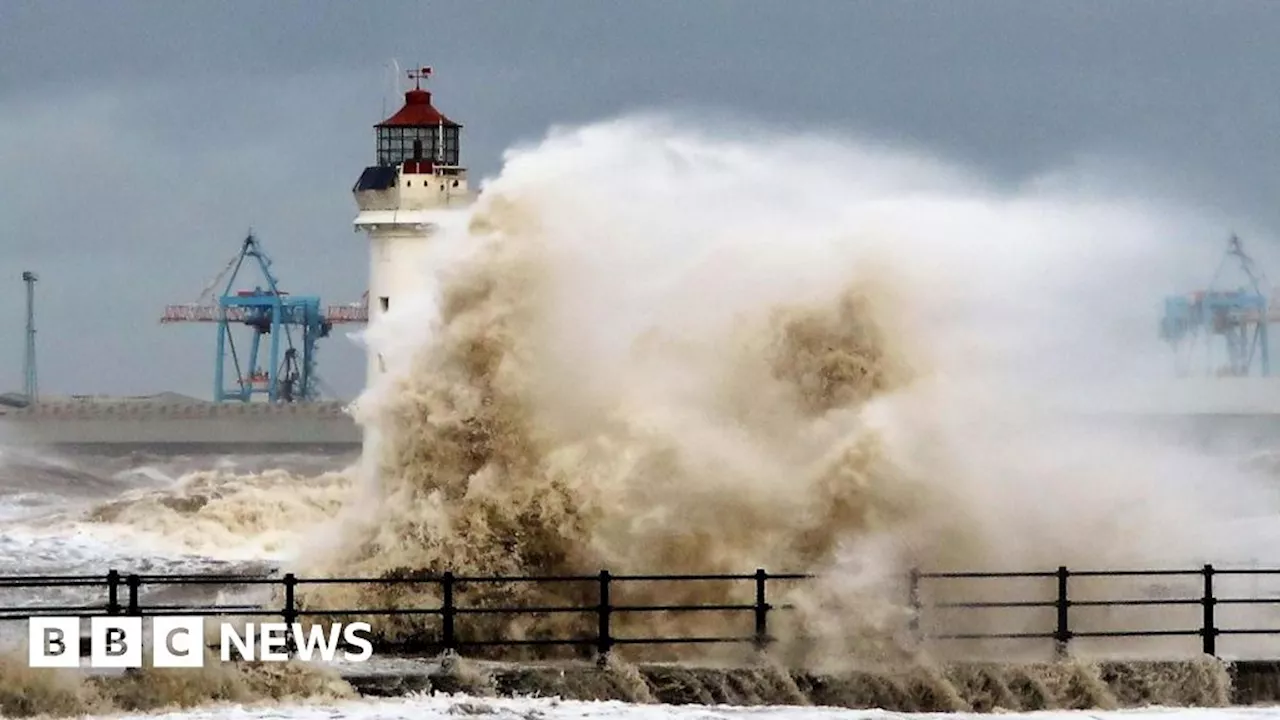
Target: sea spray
(658,350)
(654,349)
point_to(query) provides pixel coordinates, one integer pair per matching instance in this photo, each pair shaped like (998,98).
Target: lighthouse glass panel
(395,144)
(451,146)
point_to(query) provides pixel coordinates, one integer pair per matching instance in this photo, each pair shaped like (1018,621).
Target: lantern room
(418,132)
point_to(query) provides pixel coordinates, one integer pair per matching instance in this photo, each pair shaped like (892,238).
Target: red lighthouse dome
(417,112)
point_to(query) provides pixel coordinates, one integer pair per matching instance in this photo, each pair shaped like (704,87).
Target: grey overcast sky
(140,140)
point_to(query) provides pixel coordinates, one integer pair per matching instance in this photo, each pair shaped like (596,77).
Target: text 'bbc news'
(179,641)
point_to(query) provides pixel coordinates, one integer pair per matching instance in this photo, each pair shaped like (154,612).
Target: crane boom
(197,312)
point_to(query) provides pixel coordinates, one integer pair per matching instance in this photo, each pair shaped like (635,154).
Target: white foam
(442,707)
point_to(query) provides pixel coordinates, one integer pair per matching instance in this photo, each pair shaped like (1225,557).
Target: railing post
(290,612)
(604,640)
(1209,628)
(113,592)
(1063,633)
(913,600)
(133,581)
(449,639)
(761,639)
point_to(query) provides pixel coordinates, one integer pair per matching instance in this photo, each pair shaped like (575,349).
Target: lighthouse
(415,176)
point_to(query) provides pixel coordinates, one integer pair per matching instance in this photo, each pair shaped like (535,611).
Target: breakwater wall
(1068,684)
(918,687)
(191,424)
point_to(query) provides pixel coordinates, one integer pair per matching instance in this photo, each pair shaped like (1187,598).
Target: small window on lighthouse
(385,302)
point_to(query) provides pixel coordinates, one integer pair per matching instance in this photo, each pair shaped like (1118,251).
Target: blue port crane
(1228,329)
(288,372)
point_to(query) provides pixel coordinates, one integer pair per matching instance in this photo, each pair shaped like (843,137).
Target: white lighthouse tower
(416,175)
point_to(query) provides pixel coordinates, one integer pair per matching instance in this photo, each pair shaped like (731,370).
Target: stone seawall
(961,687)
(922,687)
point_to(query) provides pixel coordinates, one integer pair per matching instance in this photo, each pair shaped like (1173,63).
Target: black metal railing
(1062,602)
(448,611)
(1057,596)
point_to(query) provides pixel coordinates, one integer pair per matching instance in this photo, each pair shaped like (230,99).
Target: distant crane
(1239,317)
(289,374)
(30,387)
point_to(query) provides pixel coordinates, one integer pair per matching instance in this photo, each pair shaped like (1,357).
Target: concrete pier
(186,424)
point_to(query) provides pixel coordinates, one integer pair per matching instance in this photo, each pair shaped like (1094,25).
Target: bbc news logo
(178,642)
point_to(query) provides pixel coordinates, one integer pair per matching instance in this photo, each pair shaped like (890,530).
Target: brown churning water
(651,349)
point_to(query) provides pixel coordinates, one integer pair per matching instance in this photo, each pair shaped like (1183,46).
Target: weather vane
(417,76)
